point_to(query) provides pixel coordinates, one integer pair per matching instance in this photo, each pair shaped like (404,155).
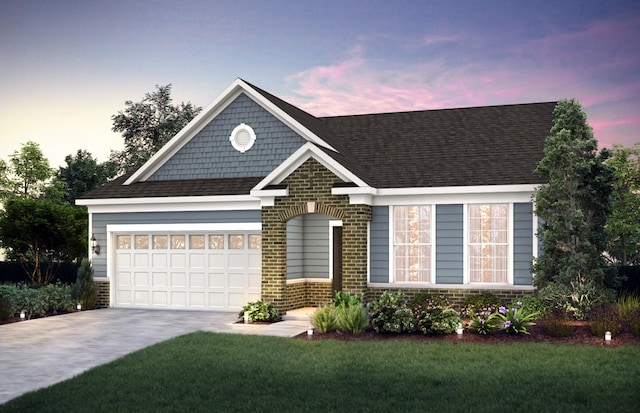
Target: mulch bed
(581,336)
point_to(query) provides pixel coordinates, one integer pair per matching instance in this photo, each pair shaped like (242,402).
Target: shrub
(605,318)
(433,314)
(30,300)
(56,298)
(390,314)
(480,303)
(84,290)
(351,318)
(627,303)
(347,299)
(634,322)
(324,319)
(533,304)
(5,308)
(578,298)
(557,323)
(259,311)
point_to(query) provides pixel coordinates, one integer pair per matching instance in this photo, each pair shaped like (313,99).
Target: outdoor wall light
(607,337)
(94,245)
(22,315)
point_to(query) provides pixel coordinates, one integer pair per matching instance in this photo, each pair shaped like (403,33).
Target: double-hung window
(412,243)
(488,243)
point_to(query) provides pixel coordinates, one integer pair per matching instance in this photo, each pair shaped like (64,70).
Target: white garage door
(215,271)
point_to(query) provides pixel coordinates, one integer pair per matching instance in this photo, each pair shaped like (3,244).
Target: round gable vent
(242,138)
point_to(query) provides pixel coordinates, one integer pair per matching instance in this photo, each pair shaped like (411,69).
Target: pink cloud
(590,65)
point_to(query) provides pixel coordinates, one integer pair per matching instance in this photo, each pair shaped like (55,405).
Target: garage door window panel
(142,242)
(160,242)
(216,242)
(177,242)
(124,242)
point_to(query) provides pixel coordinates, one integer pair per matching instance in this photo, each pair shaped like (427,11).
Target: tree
(623,224)
(147,125)
(82,174)
(42,232)
(27,172)
(573,207)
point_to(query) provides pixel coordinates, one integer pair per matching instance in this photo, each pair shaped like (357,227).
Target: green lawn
(224,373)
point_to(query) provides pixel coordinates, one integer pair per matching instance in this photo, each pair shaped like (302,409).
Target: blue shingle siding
(379,244)
(100,222)
(522,243)
(209,154)
(449,244)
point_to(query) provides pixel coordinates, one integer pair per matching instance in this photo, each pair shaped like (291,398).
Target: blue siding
(449,244)
(379,244)
(100,222)
(308,247)
(295,248)
(316,246)
(209,154)
(522,243)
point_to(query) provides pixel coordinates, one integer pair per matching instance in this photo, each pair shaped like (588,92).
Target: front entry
(337,258)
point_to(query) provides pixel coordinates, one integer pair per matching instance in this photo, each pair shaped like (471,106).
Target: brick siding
(311,182)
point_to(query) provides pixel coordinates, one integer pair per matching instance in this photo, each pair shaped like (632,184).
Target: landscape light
(607,338)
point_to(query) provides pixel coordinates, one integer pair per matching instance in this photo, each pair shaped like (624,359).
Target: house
(257,199)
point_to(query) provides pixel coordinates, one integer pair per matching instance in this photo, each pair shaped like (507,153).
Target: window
(242,138)
(160,242)
(196,242)
(124,242)
(488,243)
(142,242)
(216,242)
(255,241)
(177,242)
(236,242)
(412,243)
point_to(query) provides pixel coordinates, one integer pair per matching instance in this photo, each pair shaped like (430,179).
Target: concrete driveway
(41,352)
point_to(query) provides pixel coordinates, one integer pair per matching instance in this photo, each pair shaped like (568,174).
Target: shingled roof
(173,188)
(490,145)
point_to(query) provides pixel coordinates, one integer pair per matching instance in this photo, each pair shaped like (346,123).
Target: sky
(66,67)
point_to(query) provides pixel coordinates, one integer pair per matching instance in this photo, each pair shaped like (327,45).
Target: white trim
(237,87)
(391,242)
(461,197)
(332,223)
(454,286)
(466,270)
(200,227)
(443,190)
(353,190)
(368,251)
(183,204)
(308,280)
(293,162)
(433,225)
(89,235)
(432,240)
(233,138)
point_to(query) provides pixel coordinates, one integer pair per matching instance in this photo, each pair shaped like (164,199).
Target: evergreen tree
(573,207)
